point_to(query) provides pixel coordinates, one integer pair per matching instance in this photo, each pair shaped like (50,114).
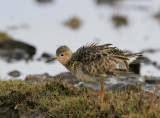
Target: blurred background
(32,30)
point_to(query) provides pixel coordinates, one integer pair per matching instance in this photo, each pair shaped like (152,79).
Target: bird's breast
(76,69)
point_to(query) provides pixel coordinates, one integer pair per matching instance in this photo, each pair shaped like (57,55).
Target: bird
(94,63)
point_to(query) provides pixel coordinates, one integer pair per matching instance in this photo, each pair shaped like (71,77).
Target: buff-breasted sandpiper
(92,63)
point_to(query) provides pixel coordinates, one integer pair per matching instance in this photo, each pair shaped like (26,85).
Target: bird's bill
(54,58)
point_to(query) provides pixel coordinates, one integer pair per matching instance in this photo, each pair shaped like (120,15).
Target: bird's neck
(70,66)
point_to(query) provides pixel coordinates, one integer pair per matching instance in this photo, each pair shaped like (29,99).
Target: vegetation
(57,99)
(4,36)
(73,23)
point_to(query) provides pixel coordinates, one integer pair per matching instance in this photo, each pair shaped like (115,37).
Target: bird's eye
(62,55)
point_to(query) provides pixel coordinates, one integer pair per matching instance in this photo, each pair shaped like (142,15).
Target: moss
(73,23)
(4,36)
(57,99)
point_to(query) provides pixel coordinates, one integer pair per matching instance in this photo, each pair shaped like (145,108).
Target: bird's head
(63,55)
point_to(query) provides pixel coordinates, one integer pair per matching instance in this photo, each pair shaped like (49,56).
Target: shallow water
(42,26)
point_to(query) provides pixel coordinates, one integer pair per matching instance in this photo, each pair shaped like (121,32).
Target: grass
(57,99)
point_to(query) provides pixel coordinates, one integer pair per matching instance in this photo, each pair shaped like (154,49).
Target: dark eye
(62,54)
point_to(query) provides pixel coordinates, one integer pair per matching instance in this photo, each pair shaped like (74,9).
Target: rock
(14,73)
(66,77)
(150,50)
(12,50)
(38,78)
(122,87)
(153,80)
(111,2)
(44,1)
(114,87)
(119,20)
(45,57)
(157,16)
(148,61)
(73,23)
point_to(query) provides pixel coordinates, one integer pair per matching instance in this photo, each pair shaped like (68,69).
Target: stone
(11,50)
(153,80)
(65,77)
(14,73)
(45,57)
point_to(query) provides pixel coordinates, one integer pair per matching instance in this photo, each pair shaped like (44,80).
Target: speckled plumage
(93,62)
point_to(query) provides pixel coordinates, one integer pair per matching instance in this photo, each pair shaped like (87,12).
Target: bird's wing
(104,60)
(94,51)
(107,66)
(90,52)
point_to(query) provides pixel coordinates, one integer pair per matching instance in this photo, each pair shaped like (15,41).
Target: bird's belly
(87,78)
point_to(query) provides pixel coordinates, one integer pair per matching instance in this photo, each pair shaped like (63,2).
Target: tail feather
(136,58)
(120,57)
(139,60)
(125,73)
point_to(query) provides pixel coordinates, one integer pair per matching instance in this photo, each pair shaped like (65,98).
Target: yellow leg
(102,91)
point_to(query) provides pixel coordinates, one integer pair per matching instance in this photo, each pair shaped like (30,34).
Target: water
(42,26)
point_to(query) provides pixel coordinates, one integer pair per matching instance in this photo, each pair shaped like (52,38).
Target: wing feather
(103,60)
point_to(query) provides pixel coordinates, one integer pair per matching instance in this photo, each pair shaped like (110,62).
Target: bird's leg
(102,91)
